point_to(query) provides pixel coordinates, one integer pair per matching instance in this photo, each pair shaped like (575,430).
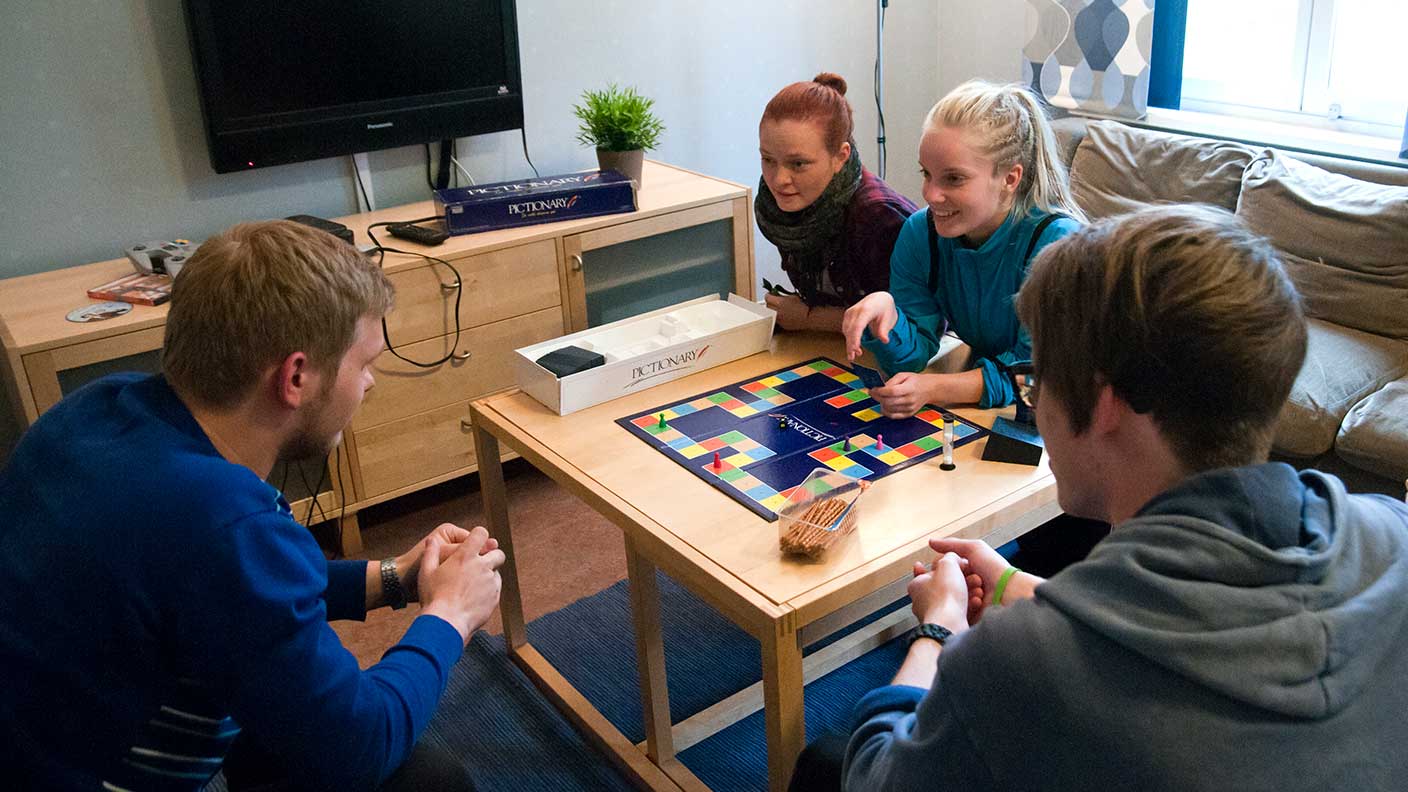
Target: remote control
(417,234)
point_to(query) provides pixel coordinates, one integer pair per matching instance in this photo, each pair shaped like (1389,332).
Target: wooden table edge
(745,605)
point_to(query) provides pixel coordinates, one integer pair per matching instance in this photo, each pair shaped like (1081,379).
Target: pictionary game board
(768,433)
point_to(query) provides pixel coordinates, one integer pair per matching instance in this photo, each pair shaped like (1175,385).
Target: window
(1308,62)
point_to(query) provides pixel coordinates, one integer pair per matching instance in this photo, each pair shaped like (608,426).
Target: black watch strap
(934,631)
(391,588)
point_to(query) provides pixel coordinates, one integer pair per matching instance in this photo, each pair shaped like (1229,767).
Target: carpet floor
(565,550)
(512,739)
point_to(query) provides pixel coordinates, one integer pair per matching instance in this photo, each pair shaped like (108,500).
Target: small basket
(820,511)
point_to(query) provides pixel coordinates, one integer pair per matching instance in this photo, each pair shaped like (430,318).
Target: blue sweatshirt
(157,599)
(1248,629)
(973,297)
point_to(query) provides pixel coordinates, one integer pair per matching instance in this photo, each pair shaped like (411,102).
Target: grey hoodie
(1247,630)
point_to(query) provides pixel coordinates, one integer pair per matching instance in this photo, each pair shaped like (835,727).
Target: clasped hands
(454,573)
(955,589)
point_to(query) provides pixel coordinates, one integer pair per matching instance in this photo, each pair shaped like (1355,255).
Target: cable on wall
(880,7)
(523,131)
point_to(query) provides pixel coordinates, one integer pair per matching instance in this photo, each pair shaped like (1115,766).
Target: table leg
(782,701)
(650,656)
(491,488)
(349,534)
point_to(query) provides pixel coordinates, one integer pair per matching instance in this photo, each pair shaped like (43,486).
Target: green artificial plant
(617,119)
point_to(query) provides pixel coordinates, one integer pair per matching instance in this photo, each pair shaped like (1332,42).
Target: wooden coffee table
(729,557)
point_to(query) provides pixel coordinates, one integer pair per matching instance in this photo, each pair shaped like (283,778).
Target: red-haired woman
(834,222)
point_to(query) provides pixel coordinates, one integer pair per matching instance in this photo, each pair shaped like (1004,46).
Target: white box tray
(648,350)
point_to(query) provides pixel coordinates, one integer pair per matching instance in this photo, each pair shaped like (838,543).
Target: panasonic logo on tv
(382,125)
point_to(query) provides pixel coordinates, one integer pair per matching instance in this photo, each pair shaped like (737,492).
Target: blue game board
(761,460)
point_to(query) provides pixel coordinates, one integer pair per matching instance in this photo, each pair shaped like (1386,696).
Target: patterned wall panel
(1090,54)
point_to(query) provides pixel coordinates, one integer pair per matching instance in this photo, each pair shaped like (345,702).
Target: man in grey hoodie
(1243,627)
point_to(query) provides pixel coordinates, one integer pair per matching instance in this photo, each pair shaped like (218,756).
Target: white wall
(101,142)
(712,67)
(980,38)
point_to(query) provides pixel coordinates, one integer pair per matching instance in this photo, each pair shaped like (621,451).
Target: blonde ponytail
(1010,125)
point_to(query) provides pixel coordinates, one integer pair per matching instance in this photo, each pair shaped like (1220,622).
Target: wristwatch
(391,588)
(934,631)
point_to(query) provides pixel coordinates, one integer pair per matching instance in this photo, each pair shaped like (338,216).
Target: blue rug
(512,739)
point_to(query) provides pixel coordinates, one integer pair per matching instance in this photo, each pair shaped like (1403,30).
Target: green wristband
(1002,585)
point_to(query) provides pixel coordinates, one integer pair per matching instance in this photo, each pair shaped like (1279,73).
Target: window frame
(1313,58)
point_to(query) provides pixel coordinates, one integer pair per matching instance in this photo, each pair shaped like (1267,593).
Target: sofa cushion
(1342,366)
(1374,435)
(1119,168)
(1344,240)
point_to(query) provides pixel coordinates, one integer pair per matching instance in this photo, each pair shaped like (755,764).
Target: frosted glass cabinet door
(634,277)
(56,373)
(622,271)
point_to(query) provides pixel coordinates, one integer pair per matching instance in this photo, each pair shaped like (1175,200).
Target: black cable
(341,495)
(879,109)
(381,251)
(322,474)
(442,173)
(523,131)
(283,484)
(360,186)
(455,158)
(429,182)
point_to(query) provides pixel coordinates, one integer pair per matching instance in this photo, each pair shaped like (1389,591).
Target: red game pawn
(879,442)
(717,463)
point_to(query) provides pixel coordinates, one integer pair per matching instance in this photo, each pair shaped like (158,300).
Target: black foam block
(1013,442)
(568,360)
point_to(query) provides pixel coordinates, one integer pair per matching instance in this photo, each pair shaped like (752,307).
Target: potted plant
(619,124)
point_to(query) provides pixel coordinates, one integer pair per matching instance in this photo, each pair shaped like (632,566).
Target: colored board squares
(735,449)
(651,423)
(834,457)
(760,477)
(848,398)
(744,482)
(834,372)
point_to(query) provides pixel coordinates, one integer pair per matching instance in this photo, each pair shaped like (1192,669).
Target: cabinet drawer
(497,285)
(403,389)
(414,449)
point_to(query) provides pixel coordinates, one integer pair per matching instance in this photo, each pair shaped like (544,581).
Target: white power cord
(462,170)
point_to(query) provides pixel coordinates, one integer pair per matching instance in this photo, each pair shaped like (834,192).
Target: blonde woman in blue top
(996,194)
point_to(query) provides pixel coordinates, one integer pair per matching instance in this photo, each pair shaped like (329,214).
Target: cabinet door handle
(449,287)
(576,262)
(465,424)
(463,355)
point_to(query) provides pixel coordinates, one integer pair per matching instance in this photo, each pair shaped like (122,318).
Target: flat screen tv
(292,80)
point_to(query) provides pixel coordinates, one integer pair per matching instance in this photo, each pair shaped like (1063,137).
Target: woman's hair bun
(833,81)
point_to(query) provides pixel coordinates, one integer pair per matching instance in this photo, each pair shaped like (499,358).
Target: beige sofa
(1342,228)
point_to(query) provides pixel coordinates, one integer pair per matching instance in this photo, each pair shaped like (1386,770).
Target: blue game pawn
(847,447)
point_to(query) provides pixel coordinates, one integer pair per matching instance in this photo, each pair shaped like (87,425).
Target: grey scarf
(809,235)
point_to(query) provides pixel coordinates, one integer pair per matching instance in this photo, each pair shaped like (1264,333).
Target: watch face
(933,631)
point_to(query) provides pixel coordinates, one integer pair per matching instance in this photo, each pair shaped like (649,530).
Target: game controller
(160,257)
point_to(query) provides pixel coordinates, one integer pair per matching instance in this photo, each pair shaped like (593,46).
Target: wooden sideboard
(691,235)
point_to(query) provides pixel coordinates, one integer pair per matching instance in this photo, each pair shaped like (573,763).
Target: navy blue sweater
(157,599)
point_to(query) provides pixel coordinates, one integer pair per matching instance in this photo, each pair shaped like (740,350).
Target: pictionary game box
(484,207)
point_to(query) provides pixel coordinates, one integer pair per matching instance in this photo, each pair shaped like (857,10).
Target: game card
(869,377)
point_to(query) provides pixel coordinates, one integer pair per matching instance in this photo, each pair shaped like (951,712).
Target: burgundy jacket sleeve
(873,223)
